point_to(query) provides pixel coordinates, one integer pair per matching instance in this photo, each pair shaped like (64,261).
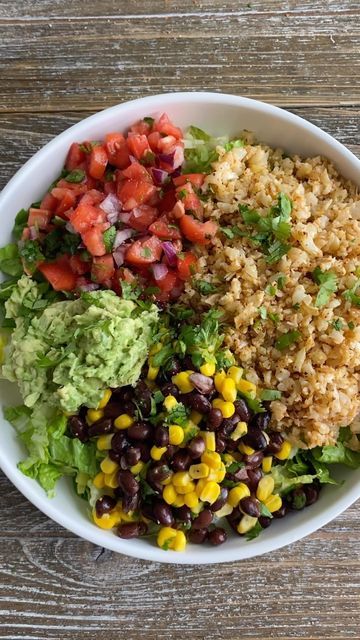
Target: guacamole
(66,353)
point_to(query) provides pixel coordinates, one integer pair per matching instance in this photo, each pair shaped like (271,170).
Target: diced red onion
(168,158)
(69,228)
(122,236)
(160,271)
(34,233)
(137,212)
(133,159)
(176,173)
(111,206)
(170,253)
(124,216)
(203,384)
(159,175)
(119,256)
(91,286)
(178,157)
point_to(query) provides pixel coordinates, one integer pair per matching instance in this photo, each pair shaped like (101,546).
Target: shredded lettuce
(337,454)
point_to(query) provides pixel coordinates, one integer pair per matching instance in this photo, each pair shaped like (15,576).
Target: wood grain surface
(60,61)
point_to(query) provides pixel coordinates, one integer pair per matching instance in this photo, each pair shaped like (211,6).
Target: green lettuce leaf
(285,481)
(337,454)
(200,150)
(10,262)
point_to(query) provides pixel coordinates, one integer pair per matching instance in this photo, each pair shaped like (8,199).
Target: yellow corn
(199,507)
(244,386)
(200,486)
(152,372)
(179,501)
(166,537)
(108,466)
(169,494)
(176,434)
(235,373)
(103,443)
(265,488)
(93,415)
(219,379)
(267,464)
(284,452)
(228,390)
(179,542)
(245,449)
(209,439)
(124,421)
(238,493)
(240,430)
(224,511)
(136,468)
(228,458)
(195,417)
(191,499)
(246,523)
(227,408)
(157,452)
(130,516)
(187,488)
(198,471)
(210,492)
(217,475)
(170,402)
(167,480)
(111,480)
(208,369)
(99,480)
(183,382)
(105,399)
(155,348)
(108,520)
(273,502)
(181,479)
(212,459)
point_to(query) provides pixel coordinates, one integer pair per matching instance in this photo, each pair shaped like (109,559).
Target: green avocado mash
(65,354)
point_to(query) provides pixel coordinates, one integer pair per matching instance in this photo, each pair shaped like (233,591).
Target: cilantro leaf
(263,313)
(234,467)
(286,340)
(130,291)
(265,511)
(178,415)
(75,176)
(108,238)
(20,223)
(31,253)
(10,262)
(254,532)
(351,295)
(273,229)
(270,394)
(228,146)
(327,281)
(204,287)
(337,324)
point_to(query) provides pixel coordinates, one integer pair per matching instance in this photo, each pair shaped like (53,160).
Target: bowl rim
(43,503)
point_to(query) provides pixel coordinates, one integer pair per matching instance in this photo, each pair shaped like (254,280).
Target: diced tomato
(196,179)
(167,144)
(186,265)
(164,229)
(154,138)
(142,217)
(141,127)
(78,266)
(132,193)
(78,188)
(93,240)
(117,151)
(164,125)
(49,202)
(136,171)
(74,157)
(168,282)
(176,158)
(190,200)
(137,144)
(59,274)
(98,161)
(25,234)
(198,232)
(122,274)
(167,202)
(145,251)
(66,199)
(39,218)
(103,268)
(93,197)
(86,216)
(178,211)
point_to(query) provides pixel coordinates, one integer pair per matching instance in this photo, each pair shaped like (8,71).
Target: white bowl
(218,114)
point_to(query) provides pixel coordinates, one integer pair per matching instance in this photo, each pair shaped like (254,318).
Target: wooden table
(60,61)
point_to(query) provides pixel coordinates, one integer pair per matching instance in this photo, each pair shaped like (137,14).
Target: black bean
(105,504)
(146,509)
(119,441)
(130,530)
(265,522)
(220,444)
(232,445)
(275,443)
(250,506)
(196,447)
(312,493)
(163,513)
(143,398)
(139,431)
(101,427)
(78,428)
(296,499)
(118,493)
(170,452)
(132,455)
(198,402)
(234,519)
(254,459)
(197,536)
(256,439)
(183,514)
(129,408)
(203,520)
(113,410)
(130,503)
(217,536)
(242,410)
(214,419)
(170,389)
(114,455)
(157,474)
(261,420)
(161,437)
(187,364)
(228,426)
(127,482)
(254,477)
(181,460)
(123,394)
(173,367)
(281,513)
(220,502)
(145,451)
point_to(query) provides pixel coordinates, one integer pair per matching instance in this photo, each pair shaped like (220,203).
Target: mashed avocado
(65,354)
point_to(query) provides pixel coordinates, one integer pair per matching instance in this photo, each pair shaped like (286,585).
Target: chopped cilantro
(254,532)
(280,280)
(270,394)
(263,313)
(203,341)
(286,340)
(265,511)
(130,291)
(31,253)
(233,232)
(351,325)
(150,121)
(75,176)
(158,396)
(228,146)
(277,250)
(327,282)
(182,194)
(146,252)
(337,324)
(109,176)
(109,238)
(180,313)
(274,317)
(20,223)
(178,415)
(87,147)
(351,295)
(234,467)
(160,358)
(146,489)
(296,306)
(152,291)
(271,290)
(204,287)
(273,229)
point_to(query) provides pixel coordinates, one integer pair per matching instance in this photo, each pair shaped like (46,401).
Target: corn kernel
(105,399)
(130,516)
(169,494)
(198,471)
(103,443)
(267,464)
(208,369)
(200,486)
(210,492)
(238,493)
(183,382)
(224,511)
(179,542)
(228,390)
(136,468)
(235,373)
(245,386)
(212,459)
(152,372)
(273,503)
(99,480)
(111,480)
(245,449)
(157,452)
(181,479)
(219,379)
(166,537)
(93,415)
(108,466)
(240,430)
(179,501)
(228,458)
(227,408)
(209,439)
(217,475)
(195,417)
(199,507)
(187,488)
(108,520)
(176,434)
(284,452)
(124,421)
(265,488)
(170,403)
(167,480)
(246,523)
(155,348)
(191,499)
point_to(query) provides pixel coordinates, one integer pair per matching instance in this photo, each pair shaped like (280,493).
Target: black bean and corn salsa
(181,316)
